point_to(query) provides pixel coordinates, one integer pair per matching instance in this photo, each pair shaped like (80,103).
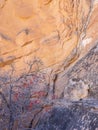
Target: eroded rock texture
(81,79)
(68,101)
(48,64)
(46,29)
(74,117)
(75,106)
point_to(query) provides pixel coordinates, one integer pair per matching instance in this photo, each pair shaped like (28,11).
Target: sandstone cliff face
(49,30)
(49,64)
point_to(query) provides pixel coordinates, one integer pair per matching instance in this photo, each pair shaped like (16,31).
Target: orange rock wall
(46,30)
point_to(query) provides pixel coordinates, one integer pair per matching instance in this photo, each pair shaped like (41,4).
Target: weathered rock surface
(46,29)
(67,102)
(80,89)
(74,117)
(49,64)
(80,80)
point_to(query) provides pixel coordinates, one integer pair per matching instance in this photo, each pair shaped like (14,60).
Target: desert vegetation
(22,98)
